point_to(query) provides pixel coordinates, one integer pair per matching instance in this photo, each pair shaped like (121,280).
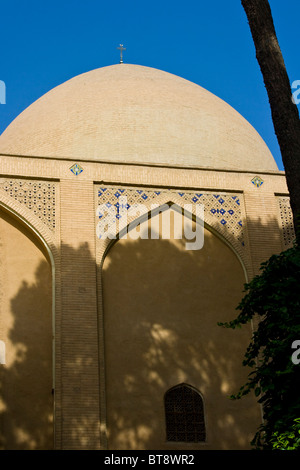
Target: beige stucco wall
(26,400)
(144,320)
(161,308)
(67,224)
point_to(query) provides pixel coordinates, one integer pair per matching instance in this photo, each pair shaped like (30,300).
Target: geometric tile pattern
(287,224)
(76,169)
(224,209)
(257,181)
(38,196)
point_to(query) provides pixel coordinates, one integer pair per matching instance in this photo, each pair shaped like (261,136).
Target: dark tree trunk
(284,111)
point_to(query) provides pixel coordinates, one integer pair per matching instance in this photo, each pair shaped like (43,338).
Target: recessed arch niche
(27,377)
(161,305)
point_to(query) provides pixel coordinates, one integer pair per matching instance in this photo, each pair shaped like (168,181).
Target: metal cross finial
(121,52)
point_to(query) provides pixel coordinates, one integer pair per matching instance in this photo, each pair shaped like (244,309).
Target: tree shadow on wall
(161,308)
(160,329)
(26,390)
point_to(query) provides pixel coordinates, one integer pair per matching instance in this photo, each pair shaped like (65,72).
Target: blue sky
(46,43)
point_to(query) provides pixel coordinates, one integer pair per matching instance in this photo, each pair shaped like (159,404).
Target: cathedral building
(109,335)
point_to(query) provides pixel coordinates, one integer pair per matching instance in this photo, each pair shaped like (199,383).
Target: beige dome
(133,114)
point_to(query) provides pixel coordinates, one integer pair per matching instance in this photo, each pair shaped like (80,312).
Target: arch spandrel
(35,203)
(224,213)
(159,303)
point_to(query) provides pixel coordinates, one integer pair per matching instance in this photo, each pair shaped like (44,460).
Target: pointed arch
(45,238)
(174,203)
(187,294)
(36,229)
(225,213)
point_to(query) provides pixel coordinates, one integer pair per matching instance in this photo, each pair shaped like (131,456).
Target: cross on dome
(121,52)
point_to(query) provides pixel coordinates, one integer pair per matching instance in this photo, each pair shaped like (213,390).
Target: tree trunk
(284,111)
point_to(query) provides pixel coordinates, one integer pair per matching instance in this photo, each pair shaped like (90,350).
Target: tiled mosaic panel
(224,209)
(38,196)
(286,216)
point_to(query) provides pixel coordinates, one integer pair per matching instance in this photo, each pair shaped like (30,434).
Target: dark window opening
(184,415)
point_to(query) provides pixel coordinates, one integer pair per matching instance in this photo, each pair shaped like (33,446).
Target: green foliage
(272,300)
(288,440)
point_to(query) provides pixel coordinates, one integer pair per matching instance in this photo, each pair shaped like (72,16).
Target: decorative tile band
(223,209)
(38,196)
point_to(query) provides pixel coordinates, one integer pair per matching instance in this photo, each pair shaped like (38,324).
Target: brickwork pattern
(286,218)
(38,196)
(79,342)
(69,230)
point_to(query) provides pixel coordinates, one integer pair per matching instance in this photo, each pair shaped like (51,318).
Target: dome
(128,113)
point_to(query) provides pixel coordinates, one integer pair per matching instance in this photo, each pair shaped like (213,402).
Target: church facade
(113,342)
